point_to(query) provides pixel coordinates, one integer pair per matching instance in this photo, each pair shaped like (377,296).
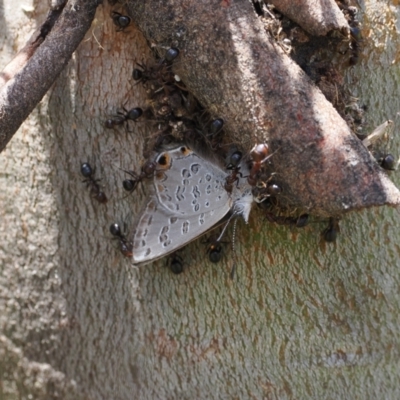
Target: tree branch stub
(239,74)
(318,17)
(26,88)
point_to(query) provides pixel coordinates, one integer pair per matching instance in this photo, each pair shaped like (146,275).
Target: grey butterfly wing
(187,198)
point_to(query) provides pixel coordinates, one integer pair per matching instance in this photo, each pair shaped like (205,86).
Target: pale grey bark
(302,320)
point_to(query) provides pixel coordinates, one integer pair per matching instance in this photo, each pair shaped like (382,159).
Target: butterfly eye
(164,161)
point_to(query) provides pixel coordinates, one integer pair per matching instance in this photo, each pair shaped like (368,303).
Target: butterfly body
(187,198)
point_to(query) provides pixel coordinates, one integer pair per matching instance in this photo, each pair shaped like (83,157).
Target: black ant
(214,248)
(88,173)
(216,126)
(142,75)
(125,246)
(259,154)
(171,54)
(273,189)
(388,162)
(208,132)
(302,221)
(331,232)
(159,74)
(355,40)
(145,73)
(298,222)
(137,74)
(121,21)
(234,161)
(265,191)
(175,264)
(350,13)
(123,117)
(215,252)
(147,171)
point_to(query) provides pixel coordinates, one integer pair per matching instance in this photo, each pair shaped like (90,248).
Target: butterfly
(187,197)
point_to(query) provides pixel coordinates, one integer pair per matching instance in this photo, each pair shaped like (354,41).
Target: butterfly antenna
(232,274)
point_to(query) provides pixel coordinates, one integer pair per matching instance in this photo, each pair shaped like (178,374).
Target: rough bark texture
(25,89)
(318,17)
(302,320)
(34,42)
(237,72)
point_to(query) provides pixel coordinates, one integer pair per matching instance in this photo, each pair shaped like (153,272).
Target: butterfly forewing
(187,197)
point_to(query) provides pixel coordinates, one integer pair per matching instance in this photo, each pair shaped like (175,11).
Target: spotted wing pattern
(187,197)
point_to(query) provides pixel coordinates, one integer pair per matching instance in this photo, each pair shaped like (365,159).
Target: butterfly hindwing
(187,198)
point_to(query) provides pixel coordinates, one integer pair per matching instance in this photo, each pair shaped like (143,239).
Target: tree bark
(315,16)
(322,167)
(26,88)
(302,318)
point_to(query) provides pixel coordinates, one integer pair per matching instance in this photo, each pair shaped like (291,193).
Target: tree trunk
(78,321)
